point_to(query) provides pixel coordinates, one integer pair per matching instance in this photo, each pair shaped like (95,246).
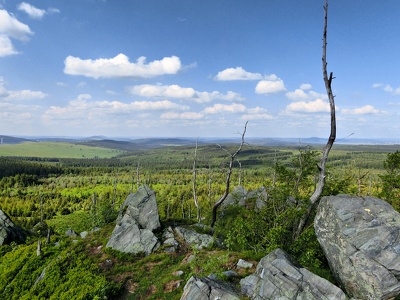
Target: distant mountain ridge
(132,144)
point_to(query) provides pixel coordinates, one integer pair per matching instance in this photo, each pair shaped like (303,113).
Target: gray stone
(138,218)
(193,238)
(142,206)
(9,232)
(70,233)
(242,264)
(236,197)
(207,289)
(278,277)
(84,234)
(360,237)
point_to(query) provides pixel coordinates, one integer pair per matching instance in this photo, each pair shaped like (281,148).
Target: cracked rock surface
(361,240)
(138,218)
(208,289)
(278,277)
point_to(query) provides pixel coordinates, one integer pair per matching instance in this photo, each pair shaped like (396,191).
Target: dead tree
(315,197)
(227,180)
(196,202)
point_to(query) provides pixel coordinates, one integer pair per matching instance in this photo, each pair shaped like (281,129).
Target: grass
(56,150)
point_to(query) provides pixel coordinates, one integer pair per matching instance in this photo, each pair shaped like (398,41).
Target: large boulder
(206,288)
(138,218)
(9,232)
(361,240)
(277,276)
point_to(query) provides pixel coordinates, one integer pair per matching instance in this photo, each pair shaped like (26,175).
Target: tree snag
(196,203)
(228,179)
(325,153)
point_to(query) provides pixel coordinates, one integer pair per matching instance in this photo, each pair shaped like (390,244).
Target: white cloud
(367,109)
(182,116)
(171,91)
(6,46)
(10,27)
(387,88)
(237,73)
(270,86)
(178,92)
(31,11)
(7,95)
(223,108)
(306,86)
(304,93)
(256,113)
(316,106)
(83,108)
(120,66)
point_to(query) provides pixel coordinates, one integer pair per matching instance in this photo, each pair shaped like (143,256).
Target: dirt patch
(172,285)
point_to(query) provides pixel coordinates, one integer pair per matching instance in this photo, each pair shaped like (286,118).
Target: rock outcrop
(360,237)
(193,238)
(251,199)
(138,218)
(278,277)
(205,288)
(9,232)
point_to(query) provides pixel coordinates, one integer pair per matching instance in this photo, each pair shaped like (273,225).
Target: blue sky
(190,68)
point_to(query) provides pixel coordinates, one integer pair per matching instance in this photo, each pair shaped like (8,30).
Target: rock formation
(9,232)
(138,218)
(278,277)
(205,288)
(360,237)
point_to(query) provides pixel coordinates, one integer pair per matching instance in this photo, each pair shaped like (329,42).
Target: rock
(236,197)
(138,218)
(250,199)
(278,277)
(84,234)
(142,206)
(169,240)
(360,238)
(9,232)
(70,233)
(242,264)
(193,238)
(205,288)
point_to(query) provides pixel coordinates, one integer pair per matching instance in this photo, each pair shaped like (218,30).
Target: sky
(191,68)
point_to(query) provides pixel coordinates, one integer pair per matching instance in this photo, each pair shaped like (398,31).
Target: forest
(85,193)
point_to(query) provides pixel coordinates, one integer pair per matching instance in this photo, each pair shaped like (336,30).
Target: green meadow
(56,149)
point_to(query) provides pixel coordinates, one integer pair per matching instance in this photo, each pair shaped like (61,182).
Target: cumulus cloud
(271,85)
(8,95)
(83,107)
(10,27)
(366,109)
(304,93)
(120,66)
(316,106)
(178,92)
(224,108)
(256,113)
(237,73)
(182,116)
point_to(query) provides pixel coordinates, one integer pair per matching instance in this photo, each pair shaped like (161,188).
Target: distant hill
(4,139)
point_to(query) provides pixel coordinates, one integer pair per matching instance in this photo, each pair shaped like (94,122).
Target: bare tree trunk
(196,203)
(325,153)
(227,181)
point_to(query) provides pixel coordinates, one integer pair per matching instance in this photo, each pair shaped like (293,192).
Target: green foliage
(391,180)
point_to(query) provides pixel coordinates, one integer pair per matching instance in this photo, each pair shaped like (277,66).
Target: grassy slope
(56,150)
